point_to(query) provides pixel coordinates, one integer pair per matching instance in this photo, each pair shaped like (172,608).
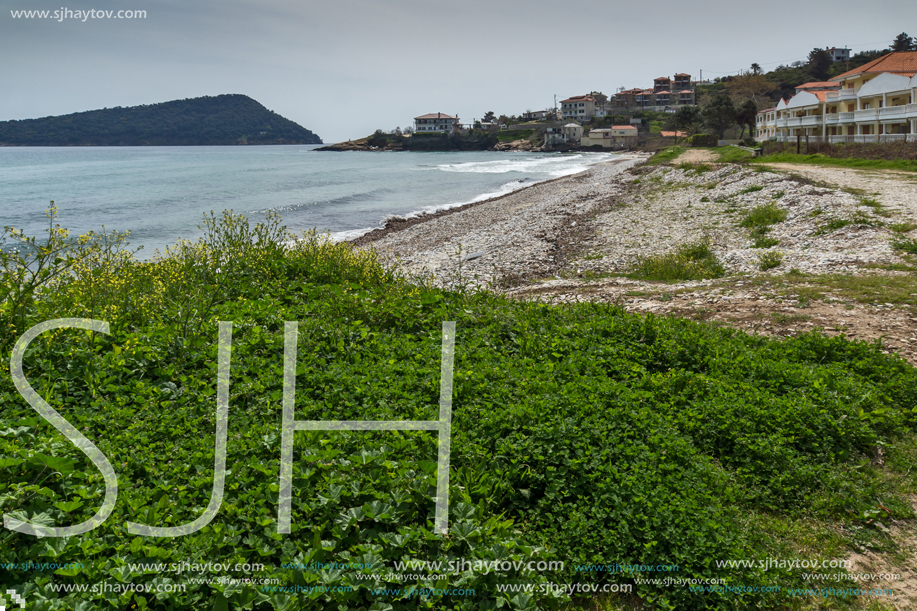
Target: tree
(688,119)
(749,87)
(747,115)
(489,116)
(819,63)
(903,42)
(756,69)
(720,114)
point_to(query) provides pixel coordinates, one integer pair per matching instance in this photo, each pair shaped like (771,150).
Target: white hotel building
(876,102)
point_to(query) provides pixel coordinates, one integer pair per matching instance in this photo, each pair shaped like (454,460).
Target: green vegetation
(905,245)
(751,189)
(210,120)
(665,155)
(476,140)
(903,227)
(764,242)
(695,168)
(833,225)
(689,262)
(769,260)
(909,165)
(516,134)
(703,141)
(732,154)
(763,216)
(579,433)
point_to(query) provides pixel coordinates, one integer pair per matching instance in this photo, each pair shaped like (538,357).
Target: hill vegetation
(210,120)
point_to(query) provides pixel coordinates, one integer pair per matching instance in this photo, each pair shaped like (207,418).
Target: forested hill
(210,120)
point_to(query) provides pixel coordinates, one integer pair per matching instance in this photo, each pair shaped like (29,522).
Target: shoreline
(397,224)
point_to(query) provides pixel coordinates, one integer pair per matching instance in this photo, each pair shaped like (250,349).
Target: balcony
(890,113)
(792,122)
(847,94)
(911,110)
(873,138)
(831,119)
(780,123)
(866,115)
(810,121)
(845,117)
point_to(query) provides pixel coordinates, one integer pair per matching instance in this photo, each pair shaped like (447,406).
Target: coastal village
(875,102)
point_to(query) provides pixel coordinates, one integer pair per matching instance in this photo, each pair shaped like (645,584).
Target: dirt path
(697,156)
(894,189)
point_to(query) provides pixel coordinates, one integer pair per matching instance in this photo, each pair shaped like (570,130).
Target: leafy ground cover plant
(580,434)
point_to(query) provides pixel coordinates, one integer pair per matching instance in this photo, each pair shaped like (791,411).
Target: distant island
(210,120)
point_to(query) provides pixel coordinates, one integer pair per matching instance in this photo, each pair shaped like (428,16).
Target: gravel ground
(573,239)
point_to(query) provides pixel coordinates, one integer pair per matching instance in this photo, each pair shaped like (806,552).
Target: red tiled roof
(899,62)
(436,115)
(623,127)
(815,84)
(682,74)
(686,91)
(662,78)
(673,134)
(579,98)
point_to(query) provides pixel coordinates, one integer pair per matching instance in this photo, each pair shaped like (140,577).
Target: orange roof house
(898,62)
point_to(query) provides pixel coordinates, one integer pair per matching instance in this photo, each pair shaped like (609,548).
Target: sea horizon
(160,194)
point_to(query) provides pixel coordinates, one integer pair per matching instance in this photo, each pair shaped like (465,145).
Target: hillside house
(436,122)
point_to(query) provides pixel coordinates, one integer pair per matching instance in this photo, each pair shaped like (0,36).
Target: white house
(436,122)
(874,103)
(579,107)
(616,136)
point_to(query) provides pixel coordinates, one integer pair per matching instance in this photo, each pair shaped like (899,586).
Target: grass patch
(876,206)
(765,242)
(907,165)
(833,225)
(689,262)
(732,154)
(516,134)
(696,168)
(751,189)
(905,245)
(665,155)
(898,289)
(764,216)
(769,260)
(903,227)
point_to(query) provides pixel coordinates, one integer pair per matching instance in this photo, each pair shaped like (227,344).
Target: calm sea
(161,193)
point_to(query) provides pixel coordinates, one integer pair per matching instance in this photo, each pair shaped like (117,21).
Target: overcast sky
(343,68)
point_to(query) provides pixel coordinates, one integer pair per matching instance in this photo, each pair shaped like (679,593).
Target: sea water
(160,194)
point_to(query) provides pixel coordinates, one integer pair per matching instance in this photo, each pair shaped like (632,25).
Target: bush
(689,262)
(763,216)
(703,140)
(770,260)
